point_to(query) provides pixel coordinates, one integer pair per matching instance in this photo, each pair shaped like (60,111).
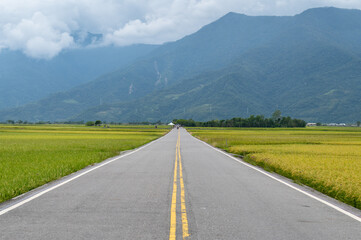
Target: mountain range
(307,65)
(24,80)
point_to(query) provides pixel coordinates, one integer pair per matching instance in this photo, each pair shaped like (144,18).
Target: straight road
(176,187)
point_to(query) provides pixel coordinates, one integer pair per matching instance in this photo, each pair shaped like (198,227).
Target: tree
(89,123)
(276,116)
(358,123)
(98,122)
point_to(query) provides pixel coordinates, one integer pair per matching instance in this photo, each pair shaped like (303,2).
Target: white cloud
(38,37)
(167,21)
(43,28)
(39,47)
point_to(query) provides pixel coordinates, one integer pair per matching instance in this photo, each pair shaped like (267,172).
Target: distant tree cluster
(92,123)
(253,121)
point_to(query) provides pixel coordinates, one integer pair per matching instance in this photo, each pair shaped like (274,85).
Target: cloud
(38,36)
(43,28)
(167,21)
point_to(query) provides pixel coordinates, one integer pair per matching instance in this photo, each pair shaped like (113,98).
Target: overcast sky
(43,28)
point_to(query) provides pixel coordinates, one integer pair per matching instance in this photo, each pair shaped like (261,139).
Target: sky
(43,28)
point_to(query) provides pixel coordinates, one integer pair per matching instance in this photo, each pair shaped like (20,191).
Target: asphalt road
(175,187)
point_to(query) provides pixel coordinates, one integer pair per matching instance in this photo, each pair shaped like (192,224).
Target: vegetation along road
(176,187)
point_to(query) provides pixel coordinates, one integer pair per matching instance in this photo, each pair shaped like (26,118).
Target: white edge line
(285,183)
(12,207)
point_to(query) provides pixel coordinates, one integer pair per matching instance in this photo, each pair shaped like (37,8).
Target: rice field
(33,155)
(326,159)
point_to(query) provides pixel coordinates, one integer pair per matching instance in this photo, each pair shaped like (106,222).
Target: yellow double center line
(173,211)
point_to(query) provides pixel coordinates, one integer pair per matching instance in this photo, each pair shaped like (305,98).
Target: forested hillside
(25,80)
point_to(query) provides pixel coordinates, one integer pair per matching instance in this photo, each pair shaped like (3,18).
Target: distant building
(337,124)
(311,124)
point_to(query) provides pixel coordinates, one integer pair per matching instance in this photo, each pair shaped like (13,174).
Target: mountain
(314,90)
(308,66)
(213,47)
(24,80)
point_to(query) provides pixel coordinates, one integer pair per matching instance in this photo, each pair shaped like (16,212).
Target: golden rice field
(31,156)
(326,159)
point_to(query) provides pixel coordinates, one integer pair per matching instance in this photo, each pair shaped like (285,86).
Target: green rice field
(32,155)
(326,159)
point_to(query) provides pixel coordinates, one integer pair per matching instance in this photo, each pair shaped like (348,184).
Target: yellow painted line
(173,210)
(183,202)
(173,214)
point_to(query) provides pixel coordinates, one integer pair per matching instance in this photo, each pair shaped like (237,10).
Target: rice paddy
(326,159)
(33,155)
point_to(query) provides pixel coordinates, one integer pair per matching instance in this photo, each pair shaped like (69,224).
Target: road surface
(175,188)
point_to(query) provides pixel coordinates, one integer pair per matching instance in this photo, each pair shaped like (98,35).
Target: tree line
(253,121)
